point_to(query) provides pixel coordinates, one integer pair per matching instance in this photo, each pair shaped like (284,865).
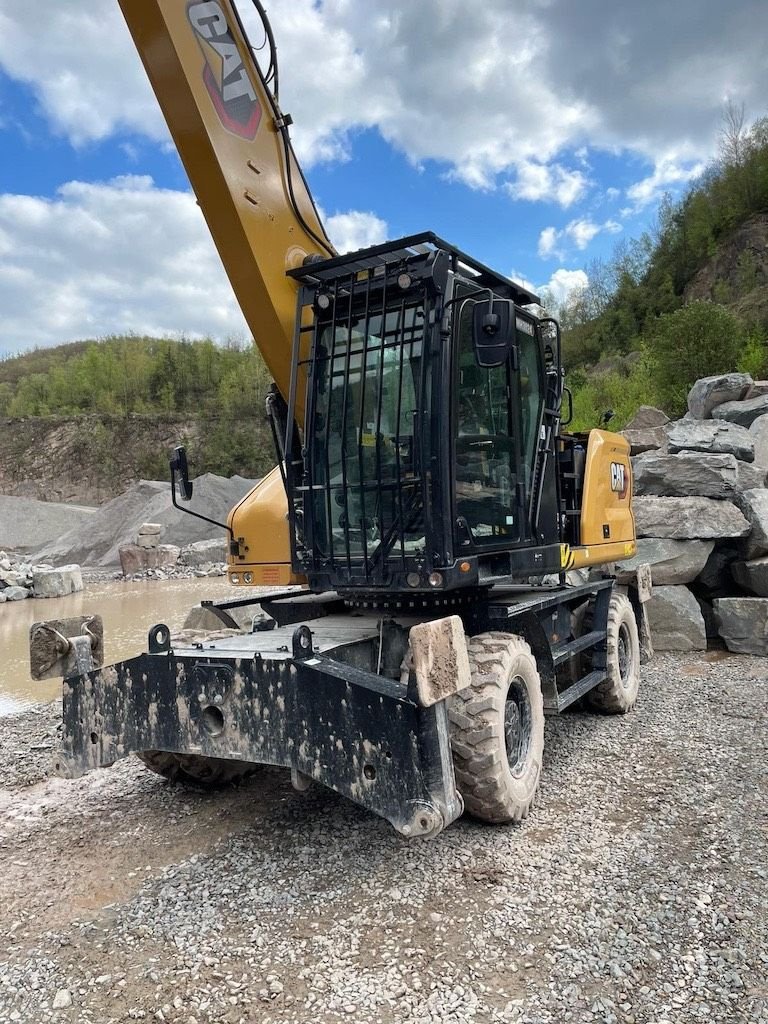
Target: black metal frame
(359,287)
(402,249)
(339,713)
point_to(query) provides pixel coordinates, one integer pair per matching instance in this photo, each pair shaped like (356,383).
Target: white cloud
(121,256)
(578,233)
(581,232)
(668,171)
(538,182)
(110,257)
(563,283)
(548,242)
(355,230)
(81,64)
(497,91)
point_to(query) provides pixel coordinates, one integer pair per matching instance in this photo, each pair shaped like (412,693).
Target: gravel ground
(635,892)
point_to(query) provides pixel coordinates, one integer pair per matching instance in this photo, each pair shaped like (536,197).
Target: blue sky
(530,137)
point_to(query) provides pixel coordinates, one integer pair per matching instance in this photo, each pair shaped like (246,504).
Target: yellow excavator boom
(233,141)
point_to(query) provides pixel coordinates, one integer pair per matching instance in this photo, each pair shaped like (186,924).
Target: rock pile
(20,579)
(147,552)
(118,523)
(26,523)
(148,559)
(701,515)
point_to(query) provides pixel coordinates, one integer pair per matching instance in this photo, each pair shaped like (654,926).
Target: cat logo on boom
(225,76)
(619,479)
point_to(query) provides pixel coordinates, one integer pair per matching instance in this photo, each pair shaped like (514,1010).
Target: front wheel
(497,729)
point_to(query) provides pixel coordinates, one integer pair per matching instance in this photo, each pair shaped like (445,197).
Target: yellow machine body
(260,523)
(607,522)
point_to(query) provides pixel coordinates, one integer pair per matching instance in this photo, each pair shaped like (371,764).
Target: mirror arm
(189,511)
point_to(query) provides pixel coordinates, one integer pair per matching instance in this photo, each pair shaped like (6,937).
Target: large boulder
(672,562)
(713,436)
(675,620)
(754,505)
(744,413)
(688,518)
(205,551)
(759,433)
(685,475)
(647,416)
(743,624)
(758,387)
(67,579)
(752,575)
(751,475)
(647,439)
(710,392)
(136,559)
(149,535)
(16,593)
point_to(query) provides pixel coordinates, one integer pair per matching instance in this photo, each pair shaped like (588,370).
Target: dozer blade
(256,698)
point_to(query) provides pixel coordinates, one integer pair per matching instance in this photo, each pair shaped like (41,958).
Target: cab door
(489,481)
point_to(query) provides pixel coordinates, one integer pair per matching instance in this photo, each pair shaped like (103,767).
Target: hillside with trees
(687,299)
(79,422)
(118,376)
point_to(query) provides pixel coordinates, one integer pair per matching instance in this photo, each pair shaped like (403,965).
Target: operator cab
(431,399)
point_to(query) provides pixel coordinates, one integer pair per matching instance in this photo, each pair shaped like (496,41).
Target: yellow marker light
(465,566)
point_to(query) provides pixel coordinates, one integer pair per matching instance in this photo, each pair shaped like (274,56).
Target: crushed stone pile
(114,525)
(26,523)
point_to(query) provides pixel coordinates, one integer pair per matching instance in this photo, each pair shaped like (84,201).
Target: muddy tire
(497,729)
(194,769)
(618,694)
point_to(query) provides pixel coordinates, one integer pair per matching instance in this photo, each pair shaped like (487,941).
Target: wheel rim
(517,725)
(624,653)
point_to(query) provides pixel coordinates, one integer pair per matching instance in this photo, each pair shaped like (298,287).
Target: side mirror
(493,331)
(180,474)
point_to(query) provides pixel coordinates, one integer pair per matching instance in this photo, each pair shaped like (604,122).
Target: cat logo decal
(225,76)
(619,479)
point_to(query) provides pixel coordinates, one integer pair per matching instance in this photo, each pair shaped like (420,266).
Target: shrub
(620,392)
(694,341)
(754,357)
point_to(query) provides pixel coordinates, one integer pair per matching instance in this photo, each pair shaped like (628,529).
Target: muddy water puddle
(128,610)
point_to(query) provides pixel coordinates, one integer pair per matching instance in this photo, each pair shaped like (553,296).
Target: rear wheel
(194,769)
(618,694)
(497,729)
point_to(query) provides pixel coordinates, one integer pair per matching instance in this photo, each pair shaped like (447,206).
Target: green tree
(695,341)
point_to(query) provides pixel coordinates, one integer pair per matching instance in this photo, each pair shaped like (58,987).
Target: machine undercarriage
(359,700)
